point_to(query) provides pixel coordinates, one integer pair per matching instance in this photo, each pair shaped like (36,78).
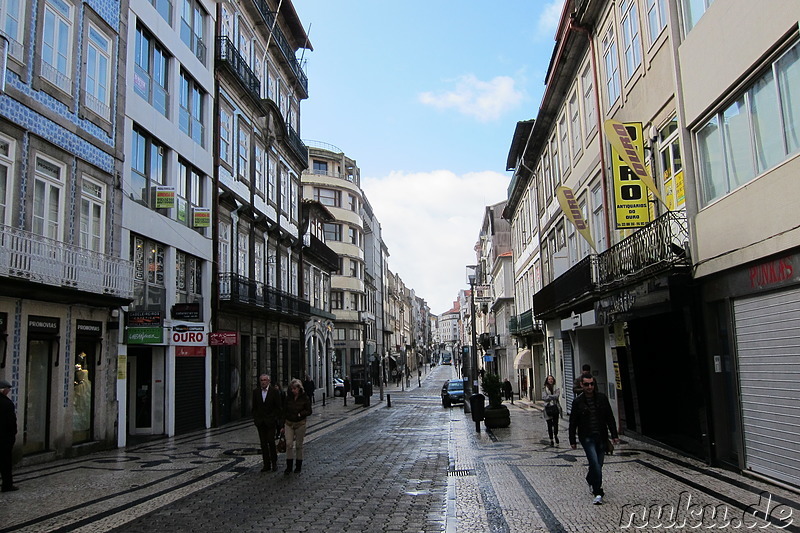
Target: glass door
(37,396)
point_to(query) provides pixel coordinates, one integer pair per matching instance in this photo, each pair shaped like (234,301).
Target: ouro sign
(188,334)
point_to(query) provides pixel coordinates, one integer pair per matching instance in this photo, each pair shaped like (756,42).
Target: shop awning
(523,359)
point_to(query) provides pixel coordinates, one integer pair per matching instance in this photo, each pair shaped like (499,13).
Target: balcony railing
(238,289)
(579,280)
(229,56)
(27,256)
(660,246)
(296,144)
(524,324)
(283,43)
(323,252)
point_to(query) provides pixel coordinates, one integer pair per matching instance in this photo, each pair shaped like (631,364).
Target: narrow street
(414,466)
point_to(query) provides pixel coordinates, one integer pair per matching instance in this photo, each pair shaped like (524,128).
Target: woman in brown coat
(296,409)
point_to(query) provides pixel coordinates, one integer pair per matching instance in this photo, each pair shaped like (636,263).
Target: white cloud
(547,24)
(430,223)
(484,100)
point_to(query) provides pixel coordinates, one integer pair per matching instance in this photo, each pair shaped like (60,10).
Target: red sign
(190,351)
(223,338)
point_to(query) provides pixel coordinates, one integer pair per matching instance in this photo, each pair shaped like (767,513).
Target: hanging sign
(631,205)
(165,197)
(631,150)
(568,203)
(202,217)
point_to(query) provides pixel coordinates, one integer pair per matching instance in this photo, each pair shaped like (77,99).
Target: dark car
(452,392)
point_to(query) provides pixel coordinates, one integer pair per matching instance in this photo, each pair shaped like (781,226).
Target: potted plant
(496,414)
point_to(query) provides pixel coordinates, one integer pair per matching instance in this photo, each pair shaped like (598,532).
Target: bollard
(345,398)
(323,399)
(388,400)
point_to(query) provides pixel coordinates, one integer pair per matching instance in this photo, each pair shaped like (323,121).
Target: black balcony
(322,252)
(230,58)
(237,289)
(524,324)
(574,285)
(296,144)
(280,39)
(660,247)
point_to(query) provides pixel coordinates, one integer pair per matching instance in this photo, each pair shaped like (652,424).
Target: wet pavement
(411,467)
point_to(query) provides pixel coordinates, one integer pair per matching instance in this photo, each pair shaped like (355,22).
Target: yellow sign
(568,203)
(631,150)
(630,194)
(122,366)
(202,217)
(165,197)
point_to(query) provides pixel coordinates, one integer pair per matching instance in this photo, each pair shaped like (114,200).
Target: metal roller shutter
(190,386)
(569,373)
(768,348)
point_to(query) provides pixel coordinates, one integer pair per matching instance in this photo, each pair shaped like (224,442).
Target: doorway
(36,429)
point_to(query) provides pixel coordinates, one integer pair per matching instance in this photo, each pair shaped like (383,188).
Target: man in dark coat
(593,418)
(8,434)
(267,414)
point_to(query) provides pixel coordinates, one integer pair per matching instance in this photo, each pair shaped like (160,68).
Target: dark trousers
(5,465)
(266,434)
(552,427)
(595,448)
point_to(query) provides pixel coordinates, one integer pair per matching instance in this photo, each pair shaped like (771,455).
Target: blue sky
(425,96)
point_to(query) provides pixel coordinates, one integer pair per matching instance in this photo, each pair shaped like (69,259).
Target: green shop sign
(144,336)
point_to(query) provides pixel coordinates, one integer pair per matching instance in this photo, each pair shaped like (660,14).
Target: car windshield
(455,385)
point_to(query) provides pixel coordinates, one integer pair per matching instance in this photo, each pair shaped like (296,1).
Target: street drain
(461,473)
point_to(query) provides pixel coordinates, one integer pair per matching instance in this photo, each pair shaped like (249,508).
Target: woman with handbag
(296,409)
(552,408)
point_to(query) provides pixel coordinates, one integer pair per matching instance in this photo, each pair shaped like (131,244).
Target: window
(354,269)
(188,278)
(611,64)
(192,109)
(598,219)
(47,205)
(354,306)
(333,232)
(92,221)
(164,8)
(293,187)
(244,152)
(224,246)
(692,11)
(242,254)
(353,202)
(575,125)
(98,72)
(564,133)
(757,131)
(631,39)
(226,134)
(320,167)
(353,233)
(555,162)
(57,44)
(7,155)
(329,197)
(148,274)
(147,167)
(671,166)
(193,23)
(189,192)
(656,18)
(283,184)
(150,72)
(589,110)
(12,24)
(272,178)
(547,178)
(258,260)
(339,334)
(260,174)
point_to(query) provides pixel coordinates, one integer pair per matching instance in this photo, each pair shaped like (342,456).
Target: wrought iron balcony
(659,247)
(297,145)
(322,251)
(241,290)
(575,283)
(33,258)
(280,39)
(524,324)
(229,57)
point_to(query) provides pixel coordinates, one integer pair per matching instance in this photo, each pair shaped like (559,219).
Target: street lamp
(472,272)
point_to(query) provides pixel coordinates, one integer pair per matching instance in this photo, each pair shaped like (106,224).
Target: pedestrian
(552,408)
(508,390)
(346,384)
(8,434)
(592,417)
(296,410)
(267,415)
(577,389)
(308,385)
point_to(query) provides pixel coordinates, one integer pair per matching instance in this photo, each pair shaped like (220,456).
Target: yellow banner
(631,150)
(568,203)
(631,205)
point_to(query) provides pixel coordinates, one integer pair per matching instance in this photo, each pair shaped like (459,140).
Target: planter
(497,417)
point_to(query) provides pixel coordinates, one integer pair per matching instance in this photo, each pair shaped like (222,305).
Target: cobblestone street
(414,466)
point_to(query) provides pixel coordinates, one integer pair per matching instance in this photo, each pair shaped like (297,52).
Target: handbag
(551,410)
(282,444)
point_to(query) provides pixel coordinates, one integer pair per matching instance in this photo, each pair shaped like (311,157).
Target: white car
(338,387)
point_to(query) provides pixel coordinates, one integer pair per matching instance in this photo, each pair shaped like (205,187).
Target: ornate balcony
(575,284)
(35,259)
(524,324)
(280,39)
(237,289)
(230,58)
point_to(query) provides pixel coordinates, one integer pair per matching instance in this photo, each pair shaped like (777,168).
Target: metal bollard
(323,399)
(388,400)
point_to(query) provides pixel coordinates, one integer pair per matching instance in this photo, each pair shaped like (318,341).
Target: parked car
(338,387)
(447,359)
(452,392)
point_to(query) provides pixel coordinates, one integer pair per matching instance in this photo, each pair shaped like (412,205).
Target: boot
(557,440)
(289,465)
(298,466)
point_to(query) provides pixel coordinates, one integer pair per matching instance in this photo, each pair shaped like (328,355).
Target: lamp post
(472,271)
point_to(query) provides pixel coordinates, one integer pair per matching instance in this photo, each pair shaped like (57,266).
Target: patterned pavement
(411,467)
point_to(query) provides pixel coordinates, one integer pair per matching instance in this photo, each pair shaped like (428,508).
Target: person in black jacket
(8,434)
(296,409)
(593,418)
(267,415)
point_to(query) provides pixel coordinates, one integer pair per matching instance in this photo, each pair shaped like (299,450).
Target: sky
(425,96)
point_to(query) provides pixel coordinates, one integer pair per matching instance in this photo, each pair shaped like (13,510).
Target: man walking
(592,416)
(8,434)
(267,413)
